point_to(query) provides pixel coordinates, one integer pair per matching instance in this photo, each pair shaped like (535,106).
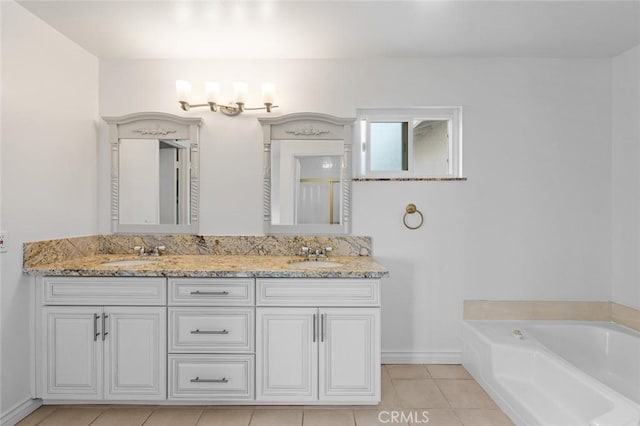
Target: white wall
(532,222)
(49,114)
(626,178)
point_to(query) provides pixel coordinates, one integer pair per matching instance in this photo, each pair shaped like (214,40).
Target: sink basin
(133,262)
(315,264)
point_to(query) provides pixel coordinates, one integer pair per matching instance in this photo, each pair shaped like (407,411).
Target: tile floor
(446,395)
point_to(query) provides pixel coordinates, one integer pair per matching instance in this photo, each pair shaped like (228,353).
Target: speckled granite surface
(200,256)
(52,251)
(270,245)
(49,251)
(211,266)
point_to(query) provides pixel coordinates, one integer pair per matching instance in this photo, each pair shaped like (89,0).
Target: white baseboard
(19,412)
(439,357)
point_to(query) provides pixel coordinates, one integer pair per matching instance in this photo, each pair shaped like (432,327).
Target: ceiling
(344,29)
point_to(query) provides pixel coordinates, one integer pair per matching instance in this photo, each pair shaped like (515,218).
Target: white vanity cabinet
(89,351)
(318,340)
(211,339)
(208,340)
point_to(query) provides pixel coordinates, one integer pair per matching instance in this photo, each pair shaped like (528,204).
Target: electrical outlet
(3,241)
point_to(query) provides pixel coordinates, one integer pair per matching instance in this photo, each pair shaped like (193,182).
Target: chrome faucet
(142,251)
(316,253)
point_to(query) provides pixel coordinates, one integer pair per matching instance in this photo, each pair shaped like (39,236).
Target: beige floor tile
(328,418)
(279,407)
(448,371)
(421,393)
(389,398)
(475,417)
(37,416)
(377,417)
(174,416)
(72,416)
(286,417)
(229,407)
(226,417)
(407,371)
(330,407)
(465,394)
(123,416)
(438,417)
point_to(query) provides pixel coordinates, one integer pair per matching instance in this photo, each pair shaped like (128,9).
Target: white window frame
(381,115)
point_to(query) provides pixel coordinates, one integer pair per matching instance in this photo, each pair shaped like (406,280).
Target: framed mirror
(307,174)
(154,173)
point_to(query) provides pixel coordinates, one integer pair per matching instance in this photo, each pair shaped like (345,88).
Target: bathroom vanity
(208,329)
(222,320)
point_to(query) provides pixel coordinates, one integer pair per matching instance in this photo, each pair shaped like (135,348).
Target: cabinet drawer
(318,292)
(211,377)
(211,291)
(111,291)
(211,330)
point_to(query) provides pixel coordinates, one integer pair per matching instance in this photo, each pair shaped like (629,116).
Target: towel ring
(411,209)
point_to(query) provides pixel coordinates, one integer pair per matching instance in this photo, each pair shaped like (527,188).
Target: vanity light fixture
(212,89)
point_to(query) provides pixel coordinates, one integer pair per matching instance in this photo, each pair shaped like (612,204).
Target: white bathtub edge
(479,347)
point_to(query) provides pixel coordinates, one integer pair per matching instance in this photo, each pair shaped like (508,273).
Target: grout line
(99,415)
(199,417)
(43,419)
(147,418)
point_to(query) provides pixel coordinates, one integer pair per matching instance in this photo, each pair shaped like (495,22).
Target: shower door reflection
(318,192)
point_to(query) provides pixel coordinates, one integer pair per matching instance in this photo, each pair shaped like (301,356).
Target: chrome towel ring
(412,209)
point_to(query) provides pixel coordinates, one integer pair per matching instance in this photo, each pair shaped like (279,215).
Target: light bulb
(240,91)
(183,90)
(213,91)
(268,92)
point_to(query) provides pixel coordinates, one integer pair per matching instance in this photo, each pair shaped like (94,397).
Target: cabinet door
(135,353)
(72,362)
(349,365)
(286,354)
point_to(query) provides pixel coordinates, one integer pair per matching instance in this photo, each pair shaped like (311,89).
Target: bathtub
(557,373)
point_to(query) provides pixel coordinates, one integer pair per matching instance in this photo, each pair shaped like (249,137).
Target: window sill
(408,179)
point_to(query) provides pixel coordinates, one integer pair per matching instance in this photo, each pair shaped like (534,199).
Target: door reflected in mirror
(306,182)
(154,181)
(318,192)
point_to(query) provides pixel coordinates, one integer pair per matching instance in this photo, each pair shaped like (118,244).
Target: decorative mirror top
(154,173)
(307,174)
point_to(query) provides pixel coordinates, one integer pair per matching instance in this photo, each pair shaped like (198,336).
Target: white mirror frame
(152,125)
(312,127)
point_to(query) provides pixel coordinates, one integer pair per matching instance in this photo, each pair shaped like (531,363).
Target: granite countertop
(200,266)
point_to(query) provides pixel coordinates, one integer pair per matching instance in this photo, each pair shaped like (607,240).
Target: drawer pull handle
(199,380)
(197,331)
(210,293)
